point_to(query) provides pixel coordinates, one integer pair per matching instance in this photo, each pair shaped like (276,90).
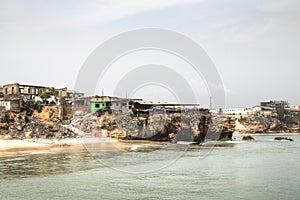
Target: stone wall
(13,105)
(67,112)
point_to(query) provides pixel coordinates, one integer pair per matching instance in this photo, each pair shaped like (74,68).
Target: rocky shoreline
(35,125)
(192,126)
(267,124)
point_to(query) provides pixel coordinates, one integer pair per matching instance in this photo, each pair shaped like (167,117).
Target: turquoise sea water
(261,169)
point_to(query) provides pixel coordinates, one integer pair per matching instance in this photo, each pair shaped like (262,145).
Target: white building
(263,110)
(237,111)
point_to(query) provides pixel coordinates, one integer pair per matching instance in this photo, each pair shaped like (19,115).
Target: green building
(98,105)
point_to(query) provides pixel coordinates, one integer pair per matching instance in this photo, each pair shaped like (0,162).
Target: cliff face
(25,125)
(278,123)
(190,126)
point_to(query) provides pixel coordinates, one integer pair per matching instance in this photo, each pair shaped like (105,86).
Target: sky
(253,44)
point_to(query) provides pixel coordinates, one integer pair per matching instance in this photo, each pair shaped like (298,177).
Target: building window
(97,105)
(36,91)
(5,90)
(12,90)
(22,90)
(29,91)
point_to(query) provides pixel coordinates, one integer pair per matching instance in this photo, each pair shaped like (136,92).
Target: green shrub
(46,95)
(30,105)
(39,107)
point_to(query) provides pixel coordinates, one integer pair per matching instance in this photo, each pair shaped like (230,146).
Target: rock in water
(283,138)
(248,137)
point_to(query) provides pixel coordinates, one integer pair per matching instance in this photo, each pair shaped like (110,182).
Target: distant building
(143,107)
(26,91)
(29,92)
(107,103)
(61,97)
(263,110)
(64,92)
(295,109)
(237,111)
(276,105)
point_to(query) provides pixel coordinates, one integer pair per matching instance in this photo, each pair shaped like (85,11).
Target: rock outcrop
(283,138)
(192,125)
(248,137)
(27,125)
(267,124)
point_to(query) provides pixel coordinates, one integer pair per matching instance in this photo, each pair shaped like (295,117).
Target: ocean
(260,169)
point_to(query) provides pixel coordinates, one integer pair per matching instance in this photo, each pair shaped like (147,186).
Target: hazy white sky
(254,44)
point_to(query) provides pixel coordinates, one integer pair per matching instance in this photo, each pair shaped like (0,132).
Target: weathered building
(34,90)
(26,91)
(62,97)
(276,105)
(237,111)
(263,110)
(102,103)
(64,92)
(107,103)
(143,107)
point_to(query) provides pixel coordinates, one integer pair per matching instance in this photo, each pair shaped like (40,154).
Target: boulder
(283,138)
(248,137)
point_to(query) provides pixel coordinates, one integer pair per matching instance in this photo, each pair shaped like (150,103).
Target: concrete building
(237,111)
(263,110)
(33,90)
(61,97)
(276,105)
(295,109)
(102,103)
(64,92)
(143,107)
(26,91)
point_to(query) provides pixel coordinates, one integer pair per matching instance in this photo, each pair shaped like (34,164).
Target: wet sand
(30,145)
(44,145)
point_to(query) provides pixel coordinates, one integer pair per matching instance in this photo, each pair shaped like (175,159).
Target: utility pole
(210,103)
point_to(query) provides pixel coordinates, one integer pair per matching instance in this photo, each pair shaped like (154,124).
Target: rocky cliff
(25,125)
(190,126)
(278,123)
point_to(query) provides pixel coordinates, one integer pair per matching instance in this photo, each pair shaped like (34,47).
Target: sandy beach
(29,145)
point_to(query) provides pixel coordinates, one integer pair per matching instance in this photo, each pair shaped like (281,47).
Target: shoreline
(32,145)
(54,145)
(264,134)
